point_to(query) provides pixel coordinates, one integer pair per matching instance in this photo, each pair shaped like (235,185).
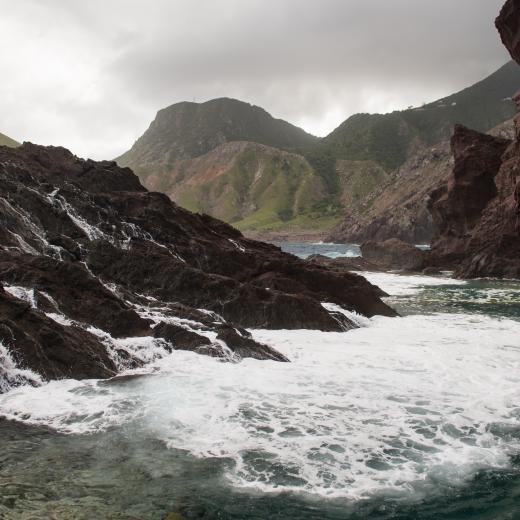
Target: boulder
(242,344)
(394,254)
(357,263)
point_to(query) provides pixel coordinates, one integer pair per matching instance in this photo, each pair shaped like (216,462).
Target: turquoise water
(410,418)
(306,249)
(486,297)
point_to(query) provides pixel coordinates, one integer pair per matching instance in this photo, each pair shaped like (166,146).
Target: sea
(416,417)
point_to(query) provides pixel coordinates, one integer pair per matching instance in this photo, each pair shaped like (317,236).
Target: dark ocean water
(409,418)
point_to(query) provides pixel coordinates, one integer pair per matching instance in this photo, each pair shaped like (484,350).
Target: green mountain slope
(7,141)
(388,138)
(231,159)
(253,186)
(186,130)
(235,161)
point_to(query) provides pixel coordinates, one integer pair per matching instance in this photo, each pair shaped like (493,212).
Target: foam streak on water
(406,404)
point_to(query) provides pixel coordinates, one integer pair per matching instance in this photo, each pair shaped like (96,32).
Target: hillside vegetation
(7,141)
(236,162)
(387,138)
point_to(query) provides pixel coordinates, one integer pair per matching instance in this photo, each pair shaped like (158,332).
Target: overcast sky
(91,74)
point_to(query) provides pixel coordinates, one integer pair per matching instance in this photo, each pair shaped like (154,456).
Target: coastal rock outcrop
(508,25)
(394,254)
(99,274)
(386,255)
(477,211)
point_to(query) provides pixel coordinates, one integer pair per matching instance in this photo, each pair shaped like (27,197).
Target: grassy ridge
(386,138)
(7,141)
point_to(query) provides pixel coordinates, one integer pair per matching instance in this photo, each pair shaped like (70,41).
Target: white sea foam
(237,245)
(123,351)
(70,406)
(404,285)
(11,376)
(92,232)
(348,254)
(400,404)
(22,293)
(59,318)
(358,319)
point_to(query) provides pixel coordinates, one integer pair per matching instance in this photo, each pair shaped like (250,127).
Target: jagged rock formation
(391,254)
(398,206)
(458,204)
(98,274)
(394,254)
(478,210)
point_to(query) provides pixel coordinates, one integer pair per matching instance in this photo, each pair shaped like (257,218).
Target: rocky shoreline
(99,275)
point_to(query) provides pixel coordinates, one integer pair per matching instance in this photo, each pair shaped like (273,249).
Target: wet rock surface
(100,275)
(344,264)
(394,254)
(386,255)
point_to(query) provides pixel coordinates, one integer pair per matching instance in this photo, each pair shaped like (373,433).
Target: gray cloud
(91,75)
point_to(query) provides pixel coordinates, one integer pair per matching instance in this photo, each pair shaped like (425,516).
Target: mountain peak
(188,129)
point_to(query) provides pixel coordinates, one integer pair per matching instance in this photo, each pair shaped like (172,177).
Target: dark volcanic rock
(53,351)
(391,254)
(477,211)
(241,343)
(179,337)
(102,259)
(508,25)
(457,206)
(345,264)
(394,254)
(80,295)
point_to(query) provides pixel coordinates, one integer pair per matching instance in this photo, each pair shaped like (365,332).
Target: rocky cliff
(508,25)
(478,210)
(397,207)
(97,274)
